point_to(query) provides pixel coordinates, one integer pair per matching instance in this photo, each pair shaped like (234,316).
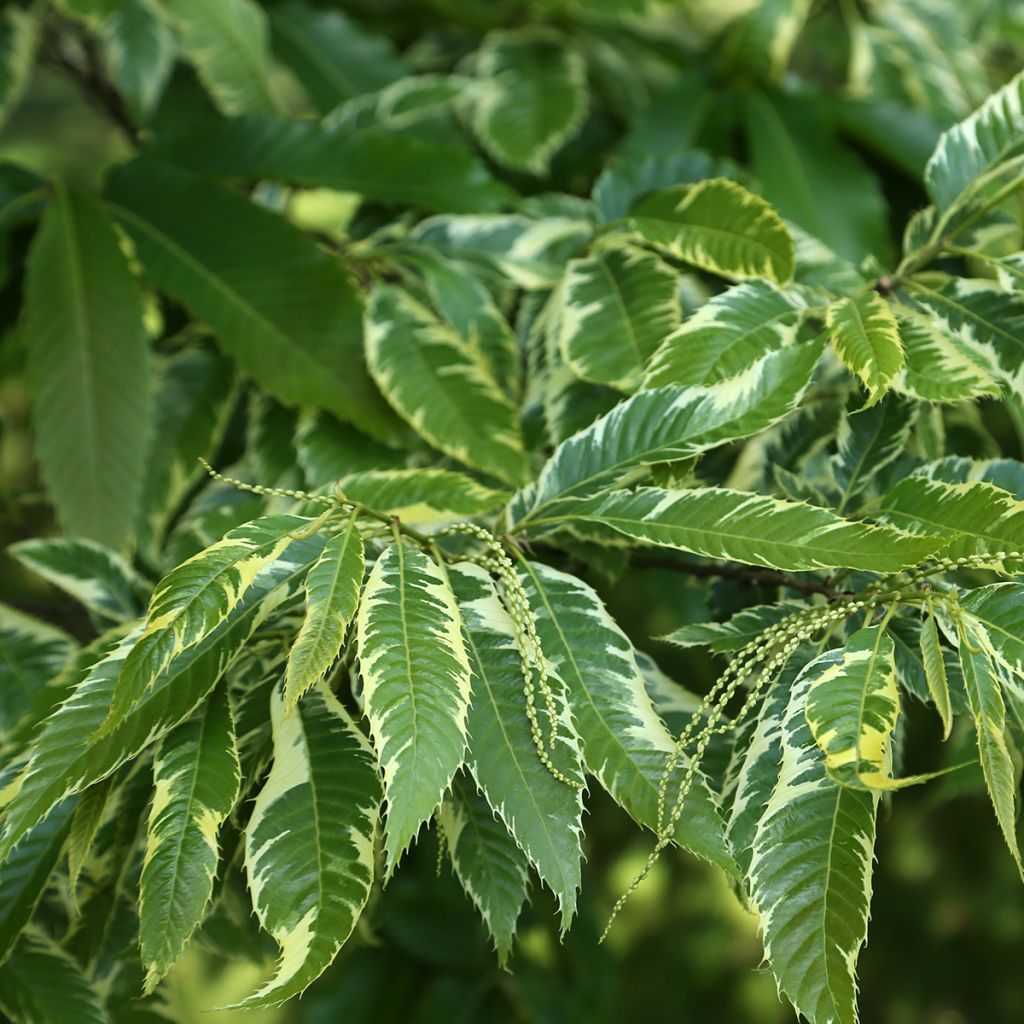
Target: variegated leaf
(937,368)
(333,585)
(309,843)
(810,872)
(984,321)
(852,709)
(868,441)
(977,519)
(935,672)
(988,709)
(616,307)
(742,628)
(436,382)
(666,425)
(543,814)
(196,778)
(532,96)
(625,744)
(416,687)
(195,598)
(996,617)
(228,42)
(757,774)
(490,866)
(866,337)
(977,144)
(421,495)
(751,528)
(718,226)
(726,335)
(61,764)
(100,578)
(461,298)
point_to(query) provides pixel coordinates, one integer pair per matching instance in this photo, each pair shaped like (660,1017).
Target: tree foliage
(386,350)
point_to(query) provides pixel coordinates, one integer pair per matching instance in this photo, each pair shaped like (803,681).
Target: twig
(89,75)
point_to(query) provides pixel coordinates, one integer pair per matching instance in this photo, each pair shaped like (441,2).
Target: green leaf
(812,178)
(935,672)
(436,382)
(866,337)
(718,226)
(62,764)
(228,43)
(531,253)
(331,55)
(996,617)
(333,585)
(737,632)
(443,175)
(982,141)
(139,51)
(665,425)
(318,810)
(937,368)
(625,744)
(190,602)
(25,873)
(34,652)
(761,40)
(19,34)
(328,450)
(978,519)
(88,369)
(416,687)
(628,176)
(95,805)
(194,402)
(1007,474)
(852,708)
(989,711)
(753,529)
(492,870)
(616,307)
(460,297)
(101,579)
(207,247)
(421,495)
(757,774)
(196,778)
(42,984)
(868,441)
(531,99)
(543,814)
(727,335)
(810,873)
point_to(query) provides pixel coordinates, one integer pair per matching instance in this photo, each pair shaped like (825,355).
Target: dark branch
(88,73)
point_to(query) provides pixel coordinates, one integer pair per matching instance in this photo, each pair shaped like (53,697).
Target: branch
(747,576)
(91,78)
